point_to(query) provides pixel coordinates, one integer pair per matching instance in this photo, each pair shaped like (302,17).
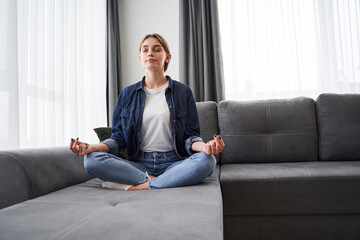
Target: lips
(150,60)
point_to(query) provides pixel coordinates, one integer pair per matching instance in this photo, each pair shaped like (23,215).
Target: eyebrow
(143,46)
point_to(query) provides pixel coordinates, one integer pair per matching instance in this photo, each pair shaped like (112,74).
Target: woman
(156,120)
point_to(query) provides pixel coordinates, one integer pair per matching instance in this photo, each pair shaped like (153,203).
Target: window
(281,49)
(58,88)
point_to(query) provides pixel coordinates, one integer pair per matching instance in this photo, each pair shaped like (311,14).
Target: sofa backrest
(208,120)
(30,173)
(338,117)
(268,131)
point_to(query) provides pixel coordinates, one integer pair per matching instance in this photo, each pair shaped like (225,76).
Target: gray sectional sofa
(290,170)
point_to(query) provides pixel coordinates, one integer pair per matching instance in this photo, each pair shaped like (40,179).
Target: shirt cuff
(112,144)
(190,141)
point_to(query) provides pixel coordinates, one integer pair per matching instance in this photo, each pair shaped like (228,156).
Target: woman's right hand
(80,148)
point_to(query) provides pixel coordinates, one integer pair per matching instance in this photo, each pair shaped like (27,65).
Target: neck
(154,79)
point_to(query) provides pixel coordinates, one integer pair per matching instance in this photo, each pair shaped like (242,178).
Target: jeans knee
(208,162)
(92,160)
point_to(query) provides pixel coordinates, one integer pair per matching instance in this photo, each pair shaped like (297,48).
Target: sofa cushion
(29,173)
(268,131)
(88,211)
(291,188)
(338,117)
(208,121)
(104,133)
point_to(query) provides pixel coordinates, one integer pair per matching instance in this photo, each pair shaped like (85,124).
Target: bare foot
(152,177)
(142,186)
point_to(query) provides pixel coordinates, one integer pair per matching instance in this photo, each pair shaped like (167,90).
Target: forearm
(100,147)
(198,147)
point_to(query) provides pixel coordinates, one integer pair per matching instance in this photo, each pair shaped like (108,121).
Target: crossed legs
(190,171)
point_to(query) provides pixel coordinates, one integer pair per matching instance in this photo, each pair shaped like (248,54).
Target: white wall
(138,18)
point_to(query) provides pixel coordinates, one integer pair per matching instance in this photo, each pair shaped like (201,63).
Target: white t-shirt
(155,130)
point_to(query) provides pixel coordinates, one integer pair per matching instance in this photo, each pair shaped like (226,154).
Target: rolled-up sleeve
(112,144)
(189,142)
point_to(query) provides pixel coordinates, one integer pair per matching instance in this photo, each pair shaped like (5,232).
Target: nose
(150,53)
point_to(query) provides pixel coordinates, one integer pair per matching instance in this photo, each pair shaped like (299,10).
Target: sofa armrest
(29,173)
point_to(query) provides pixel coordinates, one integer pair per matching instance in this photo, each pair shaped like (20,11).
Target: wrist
(198,147)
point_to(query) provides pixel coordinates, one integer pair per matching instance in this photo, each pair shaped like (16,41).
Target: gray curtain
(201,66)
(113,78)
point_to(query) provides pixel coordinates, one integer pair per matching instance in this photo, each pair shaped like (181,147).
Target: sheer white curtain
(61,78)
(290,48)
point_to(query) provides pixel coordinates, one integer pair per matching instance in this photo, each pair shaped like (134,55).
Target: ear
(168,58)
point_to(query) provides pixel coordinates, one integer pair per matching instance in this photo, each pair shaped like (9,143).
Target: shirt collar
(140,84)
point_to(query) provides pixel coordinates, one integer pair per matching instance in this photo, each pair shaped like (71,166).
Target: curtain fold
(113,71)
(201,66)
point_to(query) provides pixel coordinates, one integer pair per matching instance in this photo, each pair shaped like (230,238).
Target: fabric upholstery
(338,118)
(208,119)
(87,211)
(268,131)
(291,188)
(29,173)
(15,184)
(207,112)
(294,227)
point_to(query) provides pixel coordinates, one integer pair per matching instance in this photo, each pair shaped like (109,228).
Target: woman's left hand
(214,146)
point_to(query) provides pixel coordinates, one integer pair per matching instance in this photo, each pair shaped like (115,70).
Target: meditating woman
(157,121)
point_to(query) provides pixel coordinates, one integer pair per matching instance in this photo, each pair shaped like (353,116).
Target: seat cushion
(87,211)
(291,188)
(338,117)
(268,131)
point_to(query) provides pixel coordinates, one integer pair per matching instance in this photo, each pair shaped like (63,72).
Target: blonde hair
(163,43)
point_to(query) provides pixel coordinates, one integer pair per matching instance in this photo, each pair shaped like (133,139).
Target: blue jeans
(167,167)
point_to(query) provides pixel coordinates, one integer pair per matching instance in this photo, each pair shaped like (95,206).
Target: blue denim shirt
(128,113)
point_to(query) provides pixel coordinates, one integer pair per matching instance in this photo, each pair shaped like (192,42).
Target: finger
(76,148)
(218,145)
(221,140)
(71,144)
(71,140)
(73,147)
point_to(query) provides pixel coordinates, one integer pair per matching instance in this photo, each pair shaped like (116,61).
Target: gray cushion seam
(65,232)
(35,192)
(305,178)
(266,134)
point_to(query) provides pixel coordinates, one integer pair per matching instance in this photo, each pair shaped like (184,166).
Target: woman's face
(152,55)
